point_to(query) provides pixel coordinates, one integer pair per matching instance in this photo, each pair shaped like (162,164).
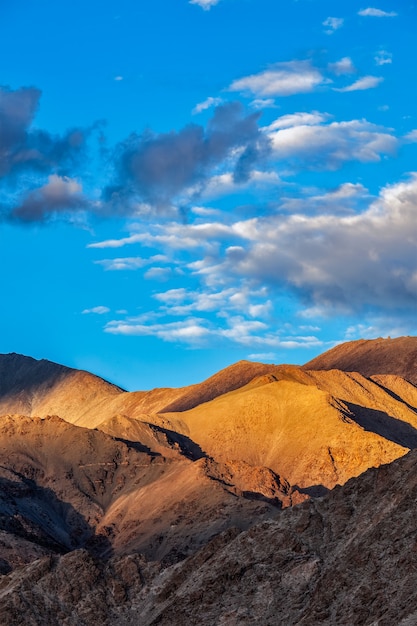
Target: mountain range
(267,494)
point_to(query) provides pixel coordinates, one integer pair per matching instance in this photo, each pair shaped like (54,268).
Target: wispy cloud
(207,104)
(332,24)
(116,243)
(411,136)
(282,79)
(383,57)
(98,310)
(344,66)
(205,4)
(129,263)
(371,12)
(366,82)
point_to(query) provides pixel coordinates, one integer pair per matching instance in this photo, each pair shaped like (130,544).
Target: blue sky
(186,184)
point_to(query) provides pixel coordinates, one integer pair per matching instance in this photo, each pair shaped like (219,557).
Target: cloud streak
(372,12)
(282,79)
(366,82)
(205,4)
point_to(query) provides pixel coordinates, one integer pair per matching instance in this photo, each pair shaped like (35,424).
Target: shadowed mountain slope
(64,487)
(347,558)
(32,387)
(373,356)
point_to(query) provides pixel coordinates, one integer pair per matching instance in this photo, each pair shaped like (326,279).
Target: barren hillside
(373,356)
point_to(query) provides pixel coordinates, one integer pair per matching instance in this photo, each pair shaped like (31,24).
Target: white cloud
(263,356)
(283,79)
(344,66)
(118,78)
(323,146)
(205,4)
(191,330)
(116,243)
(98,310)
(367,82)
(202,211)
(411,136)
(207,104)
(377,13)
(333,24)
(224,184)
(336,263)
(297,119)
(342,199)
(383,57)
(263,103)
(161,274)
(129,263)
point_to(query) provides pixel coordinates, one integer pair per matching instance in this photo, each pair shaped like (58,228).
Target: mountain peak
(372,356)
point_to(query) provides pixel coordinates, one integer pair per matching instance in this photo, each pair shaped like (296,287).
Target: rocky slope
(314,428)
(347,558)
(64,487)
(167,506)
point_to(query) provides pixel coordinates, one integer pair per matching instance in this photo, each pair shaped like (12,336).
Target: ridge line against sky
(228,179)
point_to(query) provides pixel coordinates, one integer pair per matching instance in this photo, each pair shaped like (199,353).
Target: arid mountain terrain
(212,503)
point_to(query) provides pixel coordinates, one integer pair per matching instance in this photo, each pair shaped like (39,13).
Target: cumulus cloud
(282,79)
(367,82)
(157,169)
(370,12)
(338,263)
(321,145)
(332,24)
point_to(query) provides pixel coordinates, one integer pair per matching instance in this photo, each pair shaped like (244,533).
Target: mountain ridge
(210,503)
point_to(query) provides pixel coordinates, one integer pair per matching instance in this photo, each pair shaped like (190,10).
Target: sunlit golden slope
(312,427)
